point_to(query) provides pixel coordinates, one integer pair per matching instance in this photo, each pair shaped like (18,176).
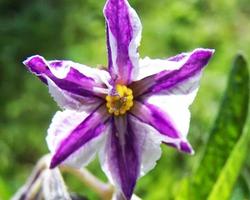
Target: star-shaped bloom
(123,113)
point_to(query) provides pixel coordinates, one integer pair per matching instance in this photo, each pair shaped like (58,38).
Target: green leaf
(4,190)
(241,188)
(223,146)
(225,183)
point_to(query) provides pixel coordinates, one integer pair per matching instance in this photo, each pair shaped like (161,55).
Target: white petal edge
(149,145)
(63,123)
(103,156)
(61,72)
(176,102)
(148,66)
(134,44)
(65,100)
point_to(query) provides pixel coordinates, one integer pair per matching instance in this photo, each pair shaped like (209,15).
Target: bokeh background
(74,30)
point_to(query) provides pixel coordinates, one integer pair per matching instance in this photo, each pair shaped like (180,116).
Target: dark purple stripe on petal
(74,81)
(192,66)
(156,118)
(124,161)
(183,146)
(177,57)
(166,80)
(86,131)
(36,65)
(119,25)
(186,147)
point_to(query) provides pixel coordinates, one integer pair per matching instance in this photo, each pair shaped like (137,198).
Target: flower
(123,113)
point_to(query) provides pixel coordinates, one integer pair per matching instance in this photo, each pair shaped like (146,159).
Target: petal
(72,78)
(174,100)
(67,100)
(182,69)
(63,123)
(74,137)
(123,39)
(131,150)
(156,118)
(150,66)
(148,144)
(120,157)
(183,146)
(166,124)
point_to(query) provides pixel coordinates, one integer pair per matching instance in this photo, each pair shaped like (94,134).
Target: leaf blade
(224,135)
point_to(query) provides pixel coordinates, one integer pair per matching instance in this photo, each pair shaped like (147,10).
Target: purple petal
(174,134)
(183,146)
(67,76)
(62,125)
(156,118)
(176,107)
(67,100)
(123,38)
(83,133)
(178,57)
(122,156)
(191,66)
(186,147)
(148,144)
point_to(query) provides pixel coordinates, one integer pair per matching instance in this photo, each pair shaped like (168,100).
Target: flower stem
(105,190)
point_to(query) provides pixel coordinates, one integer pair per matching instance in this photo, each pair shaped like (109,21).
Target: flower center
(121,102)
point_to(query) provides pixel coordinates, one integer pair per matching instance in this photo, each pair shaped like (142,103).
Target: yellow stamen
(120,103)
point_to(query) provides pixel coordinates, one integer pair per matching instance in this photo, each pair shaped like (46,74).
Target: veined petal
(166,124)
(131,150)
(74,137)
(120,158)
(148,144)
(123,38)
(182,69)
(67,100)
(150,66)
(74,78)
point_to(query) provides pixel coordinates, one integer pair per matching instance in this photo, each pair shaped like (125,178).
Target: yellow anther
(130,104)
(121,102)
(120,90)
(116,112)
(115,98)
(123,111)
(129,92)
(108,98)
(108,104)
(111,111)
(129,98)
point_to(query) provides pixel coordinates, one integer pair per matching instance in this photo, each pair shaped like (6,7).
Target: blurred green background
(75,30)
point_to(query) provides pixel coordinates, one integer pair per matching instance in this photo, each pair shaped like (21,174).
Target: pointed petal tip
(54,162)
(200,56)
(120,195)
(183,146)
(28,59)
(126,195)
(123,29)
(204,52)
(52,165)
(186,147)
(36,64)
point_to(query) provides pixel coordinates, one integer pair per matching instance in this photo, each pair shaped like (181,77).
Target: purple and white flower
(123,113)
